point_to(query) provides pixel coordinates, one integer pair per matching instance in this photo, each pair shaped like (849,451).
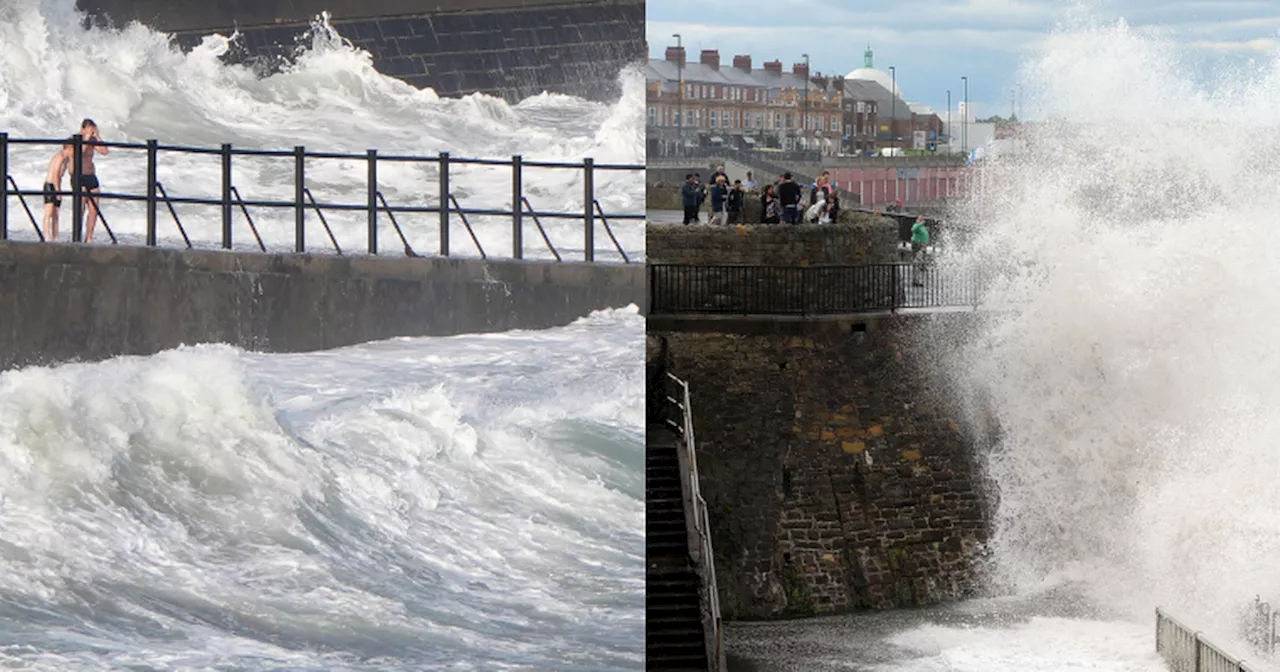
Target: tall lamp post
(893,107)
(804,125)
(964,118)
(948,121)
(680,104)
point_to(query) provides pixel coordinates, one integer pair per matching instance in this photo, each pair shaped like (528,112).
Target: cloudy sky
(932,43)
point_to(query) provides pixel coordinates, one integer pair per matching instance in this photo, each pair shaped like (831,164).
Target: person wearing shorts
(88,187)
(58,166)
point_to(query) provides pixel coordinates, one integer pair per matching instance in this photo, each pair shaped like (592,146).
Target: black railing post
(895,283)
(517,207)
(226,196)
(589,217)
(299,196)
(373,201)
(4,186)
(151,192)
(444,204)
(77,205)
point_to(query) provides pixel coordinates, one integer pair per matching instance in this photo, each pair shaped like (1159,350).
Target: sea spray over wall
(137,86)
(1131,364)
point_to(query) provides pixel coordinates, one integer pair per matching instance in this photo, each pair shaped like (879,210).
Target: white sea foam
(1131,368)
(473,502)
(54,72)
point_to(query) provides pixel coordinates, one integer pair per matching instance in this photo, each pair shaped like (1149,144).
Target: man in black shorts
(58,166)
(89,180)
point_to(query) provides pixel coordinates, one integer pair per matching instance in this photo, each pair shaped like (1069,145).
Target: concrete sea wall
(507,48)
(835,471)
(66,302)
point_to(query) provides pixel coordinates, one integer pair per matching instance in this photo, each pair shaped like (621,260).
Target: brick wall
(507,48)
(836,474)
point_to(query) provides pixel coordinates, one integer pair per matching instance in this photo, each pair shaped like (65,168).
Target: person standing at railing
(690,198)
(790,194)
(772,209)
(719,202)
(88,177)
(750,184)
(919,250)
(59,165)
(737,199)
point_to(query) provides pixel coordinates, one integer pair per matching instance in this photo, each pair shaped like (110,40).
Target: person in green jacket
(919,241)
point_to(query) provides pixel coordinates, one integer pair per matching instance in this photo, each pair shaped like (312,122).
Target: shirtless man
(89,131)
(58,166)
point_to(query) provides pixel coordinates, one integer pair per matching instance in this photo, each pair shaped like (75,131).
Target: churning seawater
(465,503)
(1122,380)
(54,72)
(1126,372)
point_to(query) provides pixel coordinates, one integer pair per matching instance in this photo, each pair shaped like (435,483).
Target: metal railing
(808,290)
(702,523)
(230,199)
(1185,650)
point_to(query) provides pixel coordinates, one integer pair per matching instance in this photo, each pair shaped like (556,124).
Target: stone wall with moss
(667,197)
(863,239)
(835,471)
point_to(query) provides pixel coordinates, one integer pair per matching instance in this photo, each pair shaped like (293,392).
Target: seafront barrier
(837,468)
(507,48)
(143,291)
(63,302)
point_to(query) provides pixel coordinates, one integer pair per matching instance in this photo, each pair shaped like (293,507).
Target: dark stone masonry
(835,471)
(868,240)
(506,48)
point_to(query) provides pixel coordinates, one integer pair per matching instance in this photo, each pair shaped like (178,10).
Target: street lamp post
(893,107)
(964,119)
(948,121)
(804,125)
(680,104)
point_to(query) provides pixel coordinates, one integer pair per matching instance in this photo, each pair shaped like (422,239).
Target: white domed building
(868,73)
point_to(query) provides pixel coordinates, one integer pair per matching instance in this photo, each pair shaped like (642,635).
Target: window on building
(725,117)
(848,129)
(713,118)
(862,107)
(788,120)
(653,116)
(688,117)
(759,120)
(777,120)
(835,124)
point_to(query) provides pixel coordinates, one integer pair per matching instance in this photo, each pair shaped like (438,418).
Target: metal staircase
(682,608)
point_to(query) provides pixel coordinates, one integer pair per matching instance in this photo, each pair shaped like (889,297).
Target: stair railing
(701,522)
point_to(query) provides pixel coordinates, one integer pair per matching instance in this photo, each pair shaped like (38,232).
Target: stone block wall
(60,302)
(861,239)
(836,474)
(506,48)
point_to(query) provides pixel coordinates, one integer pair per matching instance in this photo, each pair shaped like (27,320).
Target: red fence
(875,186)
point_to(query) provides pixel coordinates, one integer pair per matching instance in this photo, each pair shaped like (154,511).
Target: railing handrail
(230,198)
(1184,649)
(811,290)
(702,522)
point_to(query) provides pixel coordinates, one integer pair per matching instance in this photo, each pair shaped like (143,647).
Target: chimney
(742,63)
(711,58)
(676,55)
(773,66)
(800,70)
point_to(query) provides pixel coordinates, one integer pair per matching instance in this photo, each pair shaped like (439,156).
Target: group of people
(87,188)
(782,201)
